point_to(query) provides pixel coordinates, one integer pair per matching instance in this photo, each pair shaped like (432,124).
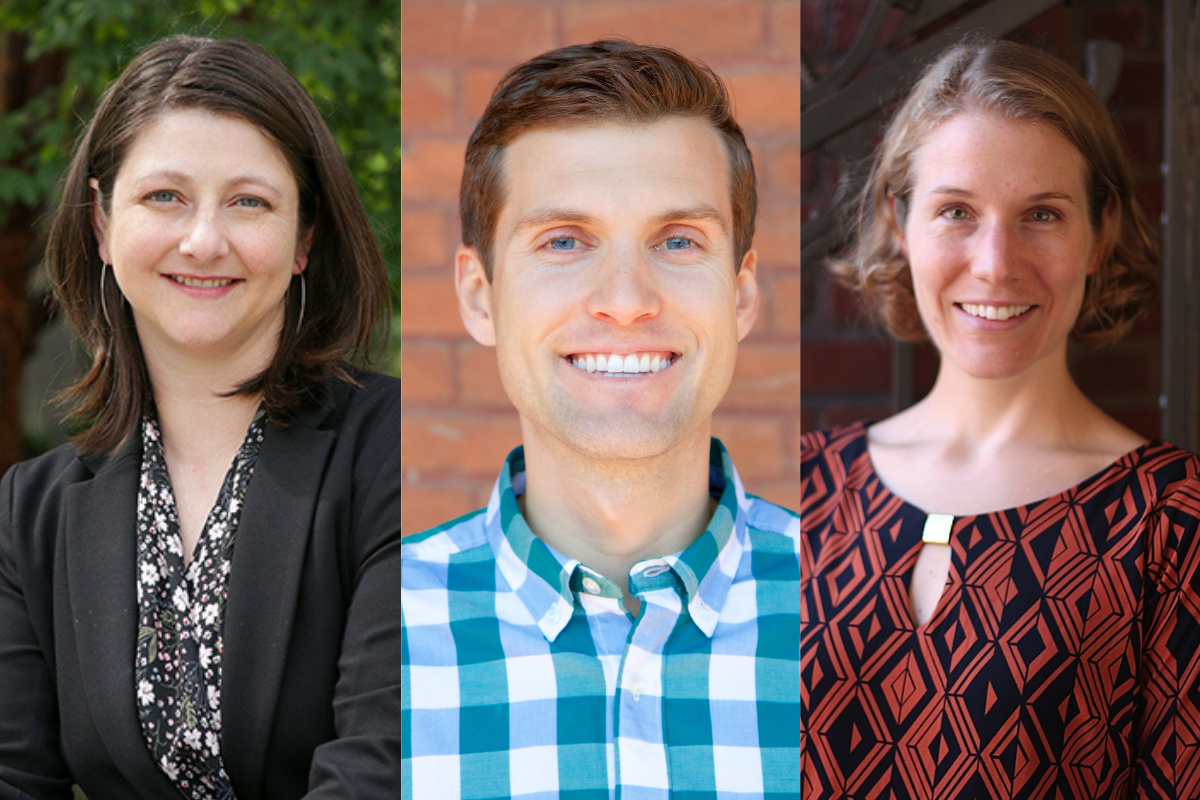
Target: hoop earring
(103,302)
(303,301)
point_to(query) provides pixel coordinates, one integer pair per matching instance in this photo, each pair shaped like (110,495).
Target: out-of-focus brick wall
(458,425)
(847,361)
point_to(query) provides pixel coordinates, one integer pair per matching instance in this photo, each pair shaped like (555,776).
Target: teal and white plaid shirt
(523,676)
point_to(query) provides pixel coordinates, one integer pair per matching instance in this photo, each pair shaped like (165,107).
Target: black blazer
(310,698)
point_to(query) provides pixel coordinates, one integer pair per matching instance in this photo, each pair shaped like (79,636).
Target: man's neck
(612,514)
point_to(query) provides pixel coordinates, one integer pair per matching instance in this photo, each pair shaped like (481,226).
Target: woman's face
(1000,244)
(203,237)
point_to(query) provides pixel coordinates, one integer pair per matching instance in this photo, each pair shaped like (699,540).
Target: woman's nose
(204,239)
(996,253)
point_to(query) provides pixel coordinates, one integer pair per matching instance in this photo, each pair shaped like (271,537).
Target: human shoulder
(367,397)
(772,527)
(439,544)
(843,441)
(51,471)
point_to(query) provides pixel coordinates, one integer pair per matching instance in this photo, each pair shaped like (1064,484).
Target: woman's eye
(251,202)
(562,243)
(955,213)
(1042,215)
(161,196)
(677,243)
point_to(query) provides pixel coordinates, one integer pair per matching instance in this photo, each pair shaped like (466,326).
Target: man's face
(614,245)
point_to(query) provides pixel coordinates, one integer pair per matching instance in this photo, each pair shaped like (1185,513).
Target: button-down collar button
(552,615)
(704,612)
(590,586)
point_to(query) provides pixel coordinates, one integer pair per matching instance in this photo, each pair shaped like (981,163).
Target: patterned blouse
(1062,659)
(181,611)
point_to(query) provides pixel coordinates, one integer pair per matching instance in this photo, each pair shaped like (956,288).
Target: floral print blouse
(180,617)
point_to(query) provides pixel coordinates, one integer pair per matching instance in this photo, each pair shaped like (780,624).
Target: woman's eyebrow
(1033,198)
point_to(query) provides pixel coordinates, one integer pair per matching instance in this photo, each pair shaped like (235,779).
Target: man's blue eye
(563,243)
(162,196)
(678,243)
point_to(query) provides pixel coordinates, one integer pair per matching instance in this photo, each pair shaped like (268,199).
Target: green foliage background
(345,52)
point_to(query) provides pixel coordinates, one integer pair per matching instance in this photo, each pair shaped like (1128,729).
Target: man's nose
(625,289)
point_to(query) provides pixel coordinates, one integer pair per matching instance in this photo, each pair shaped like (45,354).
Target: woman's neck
(202,424)
(1042,405)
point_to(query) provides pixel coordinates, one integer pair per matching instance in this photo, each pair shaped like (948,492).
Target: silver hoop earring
(103,302)
(303,301)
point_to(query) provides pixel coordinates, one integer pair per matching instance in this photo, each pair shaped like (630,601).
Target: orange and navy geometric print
(1061,661)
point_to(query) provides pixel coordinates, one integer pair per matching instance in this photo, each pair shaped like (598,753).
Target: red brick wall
(458,424)
(847,362)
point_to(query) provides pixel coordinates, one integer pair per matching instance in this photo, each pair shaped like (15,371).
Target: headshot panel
(459,423)
(600,325)
(998,470)
(198,590)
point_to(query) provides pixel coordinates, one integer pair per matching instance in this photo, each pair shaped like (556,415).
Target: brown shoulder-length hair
(610,80)
(346,303)
(1017,83)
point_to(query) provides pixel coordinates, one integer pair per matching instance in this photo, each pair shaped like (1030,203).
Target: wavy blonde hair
(1016,83)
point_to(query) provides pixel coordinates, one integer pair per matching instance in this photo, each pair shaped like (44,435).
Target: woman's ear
(1110,224)
(99,221)
(897,212)
(303,246)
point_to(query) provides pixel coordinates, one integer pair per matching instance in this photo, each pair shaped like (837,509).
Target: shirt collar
(541,576)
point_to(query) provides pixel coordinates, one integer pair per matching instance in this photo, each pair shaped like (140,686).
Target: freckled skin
(992,243)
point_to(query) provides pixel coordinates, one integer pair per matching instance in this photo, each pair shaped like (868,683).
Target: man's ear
(474,296)
(747,293)
(99,223)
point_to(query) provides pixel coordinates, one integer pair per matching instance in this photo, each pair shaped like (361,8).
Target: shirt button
(552,615)
(704,612)
(590,586)
(636,687)
(655,571)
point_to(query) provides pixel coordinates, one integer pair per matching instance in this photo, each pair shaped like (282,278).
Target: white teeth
(201,283)
(993,312)
(623,365)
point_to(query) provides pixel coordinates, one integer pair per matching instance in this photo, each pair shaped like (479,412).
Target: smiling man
(622,617)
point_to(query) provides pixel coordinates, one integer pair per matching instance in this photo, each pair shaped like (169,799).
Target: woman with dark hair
(998,584)
(197,595)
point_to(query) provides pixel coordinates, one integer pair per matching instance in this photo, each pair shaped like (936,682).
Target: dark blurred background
(850,368)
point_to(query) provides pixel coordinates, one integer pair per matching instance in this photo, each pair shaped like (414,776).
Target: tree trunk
(19,247)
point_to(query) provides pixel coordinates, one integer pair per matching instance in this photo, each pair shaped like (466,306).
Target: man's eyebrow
(1035,198)
(694,213)
(543,216)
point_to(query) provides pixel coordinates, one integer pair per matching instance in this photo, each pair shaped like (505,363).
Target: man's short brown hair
(610,80)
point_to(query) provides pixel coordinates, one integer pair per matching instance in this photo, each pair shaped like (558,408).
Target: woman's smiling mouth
(999,313)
